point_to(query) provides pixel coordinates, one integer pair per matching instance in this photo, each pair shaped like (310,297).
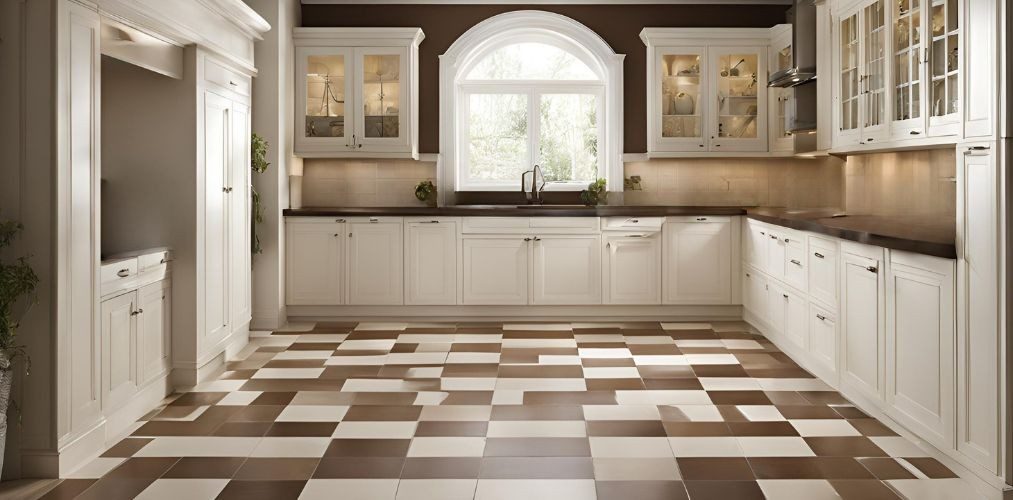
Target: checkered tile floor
(490,411)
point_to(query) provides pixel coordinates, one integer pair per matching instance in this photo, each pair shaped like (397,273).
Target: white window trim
(525,26)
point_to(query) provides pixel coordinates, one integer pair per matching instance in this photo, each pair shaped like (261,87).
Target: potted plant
(259,164)
(595,194)
(17,288)
(425,191)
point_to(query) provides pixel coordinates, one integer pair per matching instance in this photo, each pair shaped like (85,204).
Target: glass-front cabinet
(780,59)
(356,101)
(708,94)
(862,106)
(908,50)
(943,59)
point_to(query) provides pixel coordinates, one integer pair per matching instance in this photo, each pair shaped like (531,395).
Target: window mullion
(534,126)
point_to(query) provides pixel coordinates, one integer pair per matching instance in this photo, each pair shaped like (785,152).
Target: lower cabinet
(823,269)
(754,295)
(566,270)
(431,262)
(495,270)
(631,268)
(135,341)
(787,315)
(697,263)
(315,268)
(863,322)
(823,343)
(920,345)
(375,260)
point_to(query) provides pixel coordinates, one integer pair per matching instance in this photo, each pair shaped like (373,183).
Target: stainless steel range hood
(803,47)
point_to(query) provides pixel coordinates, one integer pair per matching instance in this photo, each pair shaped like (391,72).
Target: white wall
(273,102)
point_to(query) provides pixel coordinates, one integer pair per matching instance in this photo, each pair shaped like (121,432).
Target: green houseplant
(259,164)
(425,191)
(595,194)
(17,288)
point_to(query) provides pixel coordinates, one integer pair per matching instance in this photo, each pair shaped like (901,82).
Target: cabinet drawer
(118,274)
(823,342)
(582,223)
(795,262)
(823,262)
(633,223)
(226,78)
(495,224)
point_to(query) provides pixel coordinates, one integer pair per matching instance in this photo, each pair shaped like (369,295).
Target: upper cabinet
(780,59)
(905,72)
(706,90)
(357,92)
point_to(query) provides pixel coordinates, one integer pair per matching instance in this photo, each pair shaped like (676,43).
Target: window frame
(527,27)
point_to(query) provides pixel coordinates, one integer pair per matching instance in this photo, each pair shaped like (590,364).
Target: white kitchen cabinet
(217,140)
(979,346)
(119,359)
(375,261)
(756,244)
(755,286)
(861,100)
(795,260)
(154,331)
(980,55)
(566,270)
(495,269)
(239,199)
(780,99)
(431,264)
(823,270)
(631,268)
(315,269)
(787,316)
(777,253)
(357,92)
(920,341)
(706,90)
(823,343)
(697,260)
(863,321)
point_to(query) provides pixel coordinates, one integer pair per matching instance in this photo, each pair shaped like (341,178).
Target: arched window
(527,88)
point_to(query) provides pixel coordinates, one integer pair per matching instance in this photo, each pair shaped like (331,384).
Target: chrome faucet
(534,194)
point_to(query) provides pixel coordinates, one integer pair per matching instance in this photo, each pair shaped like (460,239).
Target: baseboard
(521,312)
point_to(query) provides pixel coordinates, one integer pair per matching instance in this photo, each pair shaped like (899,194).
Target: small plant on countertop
(17,295)
(595,194)
(425,191)
(259,164)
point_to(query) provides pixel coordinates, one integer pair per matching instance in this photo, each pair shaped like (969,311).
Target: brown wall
(619,25)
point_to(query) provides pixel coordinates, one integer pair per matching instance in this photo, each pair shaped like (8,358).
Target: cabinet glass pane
(737,100)
(945,58)
(680,95)
(381,99)
(325,96)
(849,73)
(875,64)
(907,60)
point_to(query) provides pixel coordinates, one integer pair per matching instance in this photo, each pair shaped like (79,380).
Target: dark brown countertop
(919,234)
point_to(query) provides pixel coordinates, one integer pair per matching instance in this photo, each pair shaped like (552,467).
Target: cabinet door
(823,267)
(566,270)
(495,270)
(679,111)
(944,65)
(239,218)
(909,97)
(780,59)
(795,261)
(777,255)
(777,308)
(217,156)
(431,262)
(796,323)
(756,244)
(381,119)
(920,375)
(738,107)
(154,331)
(823,343)
(697,262)
(848,84)
(375,263)
(324,99)
(980,24)
(632,269)
(119,359)
(862,338)
(978,344)
(875,103)
(315,271)
(755,294)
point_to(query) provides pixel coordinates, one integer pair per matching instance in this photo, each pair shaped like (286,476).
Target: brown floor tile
(655,371)
(787,398)
(115,489)
(68,489)
(739,398)
(257,413)
(380,413)
(544,412)
(237,375)
(850,412)
(654,349)
(359,468)
(844,447)
(441,467)
(802,412)
(716,469)
(242,429)
(886,468)
(541,371)
(537,468)
(871,427)
(433,428)
(276,469)
(302,429)
(205,468)
(475,347)
(537,447)
(367,448)
(313,346)
(641,490)
(142,468)
(931,467)
(719,371)
(290,385)
(198,398)
(724,490)
(869,489)
(534,334)
(468,398)
(808,468)
(615,384)
(607,362)
(731,413)
(632,428)
(126,447)
(296,363)
(762,429)
(570,398)
(675,384)
(778,373)
(354,371)
(527,355)
(384,398)
(824,398)
(266,490)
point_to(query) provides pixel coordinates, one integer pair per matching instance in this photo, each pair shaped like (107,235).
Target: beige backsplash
(917,182)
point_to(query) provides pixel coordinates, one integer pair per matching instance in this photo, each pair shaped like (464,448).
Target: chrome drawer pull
(821,317)
(123,273)
(796,262)
(818,255)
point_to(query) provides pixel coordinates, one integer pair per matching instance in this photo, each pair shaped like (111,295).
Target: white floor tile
(356,360)
(540,384)
(97,468)
(798,489)
(793,384)
(367,345)
(693,446)
(359,489)
(741,344)
(712,359)
(430,398)
(537,428)
(467,384)
(544,343)
(199,446)
(761,413)
(473,357)
(621,412)
(558,359)
(636,469)
(190,489)
(505,397)
(447,447)
(701,413)
(535,489)
(611,372)
(729,384)
(621,447)
(935,489)
(829,427)
(239,398)
(375,430)
(288,373)
(312,413)
(456,413)
(417,358)
(436,489)
(661,360)
(774,446)
(290,355)
(311,447)
(604,353)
